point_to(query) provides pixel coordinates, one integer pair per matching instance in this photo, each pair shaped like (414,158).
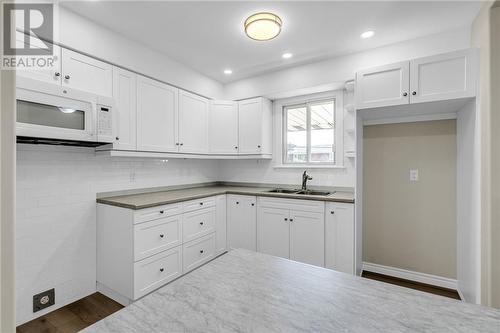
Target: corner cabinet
(157,114)
(255,126)
(125,110)
(440,77)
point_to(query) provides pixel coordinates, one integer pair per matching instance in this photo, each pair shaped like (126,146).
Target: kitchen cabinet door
(383,86)
(339,237)
(220,224)
(85,73)
(51,76)
(242,222)
(441,77)
(157,111)
(223,127)
(273,232)
(193,123)
(307,242)
(255,126)
(125,109)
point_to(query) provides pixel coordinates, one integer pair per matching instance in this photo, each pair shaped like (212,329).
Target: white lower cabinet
(285,231)
(139,251)
(242,221)
(339,237)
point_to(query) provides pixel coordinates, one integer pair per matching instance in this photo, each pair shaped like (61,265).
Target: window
(309,133)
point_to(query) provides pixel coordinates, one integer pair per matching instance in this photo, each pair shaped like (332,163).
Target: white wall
(85,36)
(342,68)
(56,214)
(468,215)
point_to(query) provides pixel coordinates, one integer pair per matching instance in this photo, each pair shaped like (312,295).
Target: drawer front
(154,213)
(295,204)
(198,223)
(199,204)
(198,252)
(155,271)
(156,236)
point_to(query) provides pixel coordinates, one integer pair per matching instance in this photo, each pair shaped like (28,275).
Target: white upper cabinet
(223,127)
(86,73)
(156,116)
(339,236)
(125,110)
(273,232)
(440,77)
(307,237)
(242,222)
(383,86)
(193,123)
(444,76)
(255,126)
(51,76)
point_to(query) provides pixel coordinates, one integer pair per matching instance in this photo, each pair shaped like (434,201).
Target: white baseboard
(113,294)
(434,280)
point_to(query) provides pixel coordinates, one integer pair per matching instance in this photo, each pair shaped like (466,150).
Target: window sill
(308,166)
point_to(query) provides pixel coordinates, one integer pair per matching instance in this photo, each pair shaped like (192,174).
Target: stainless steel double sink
(303,192)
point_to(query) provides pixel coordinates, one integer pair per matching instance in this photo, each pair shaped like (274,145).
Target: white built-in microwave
(48,111)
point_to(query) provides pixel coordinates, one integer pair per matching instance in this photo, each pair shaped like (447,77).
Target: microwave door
(54,117)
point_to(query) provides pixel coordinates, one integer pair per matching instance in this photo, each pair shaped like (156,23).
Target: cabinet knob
(67,77)
(253,204)
(117,138)
(414,93)
(177,143)
(286,219)
(405,94)
(291,220)
(332,212)
(237,202)
(201,251)
(258,146)
(162,211)
(162,235)
(235,147)
(161,270)
(181,144)
(201,203)
(57,74)
(201,223)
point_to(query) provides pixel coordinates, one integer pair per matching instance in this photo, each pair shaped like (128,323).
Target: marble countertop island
(244,291)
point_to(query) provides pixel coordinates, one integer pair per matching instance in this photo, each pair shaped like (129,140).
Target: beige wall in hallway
(411,225)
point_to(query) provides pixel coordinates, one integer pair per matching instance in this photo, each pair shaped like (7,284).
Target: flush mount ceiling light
(367,34)
(263,26)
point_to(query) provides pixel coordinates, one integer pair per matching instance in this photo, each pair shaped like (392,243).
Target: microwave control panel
(105,124)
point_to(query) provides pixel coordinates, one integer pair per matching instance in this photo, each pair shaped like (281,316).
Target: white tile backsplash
(56,212)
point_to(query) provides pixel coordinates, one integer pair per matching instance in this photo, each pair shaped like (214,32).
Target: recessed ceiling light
(263,26)
(228,71)
(367,34)
(287,55)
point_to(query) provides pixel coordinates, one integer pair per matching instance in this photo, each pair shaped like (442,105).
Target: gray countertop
(145,200)
(245,291)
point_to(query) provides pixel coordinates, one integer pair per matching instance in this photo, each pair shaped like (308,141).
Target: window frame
(283,105)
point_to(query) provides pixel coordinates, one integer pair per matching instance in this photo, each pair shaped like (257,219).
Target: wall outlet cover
(414,175)
(44,300)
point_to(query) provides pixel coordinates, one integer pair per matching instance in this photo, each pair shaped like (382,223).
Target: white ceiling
(208,36)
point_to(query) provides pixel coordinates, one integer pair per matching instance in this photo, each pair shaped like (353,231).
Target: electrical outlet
(414,175)
(44,300)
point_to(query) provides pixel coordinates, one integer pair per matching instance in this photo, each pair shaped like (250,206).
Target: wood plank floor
(412,284)
(73,317)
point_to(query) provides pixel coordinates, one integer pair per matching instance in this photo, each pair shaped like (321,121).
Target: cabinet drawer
(197,252)
(199,204)
(153,272)
(295,204)
(156,236)
(154,213)
(198,223)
